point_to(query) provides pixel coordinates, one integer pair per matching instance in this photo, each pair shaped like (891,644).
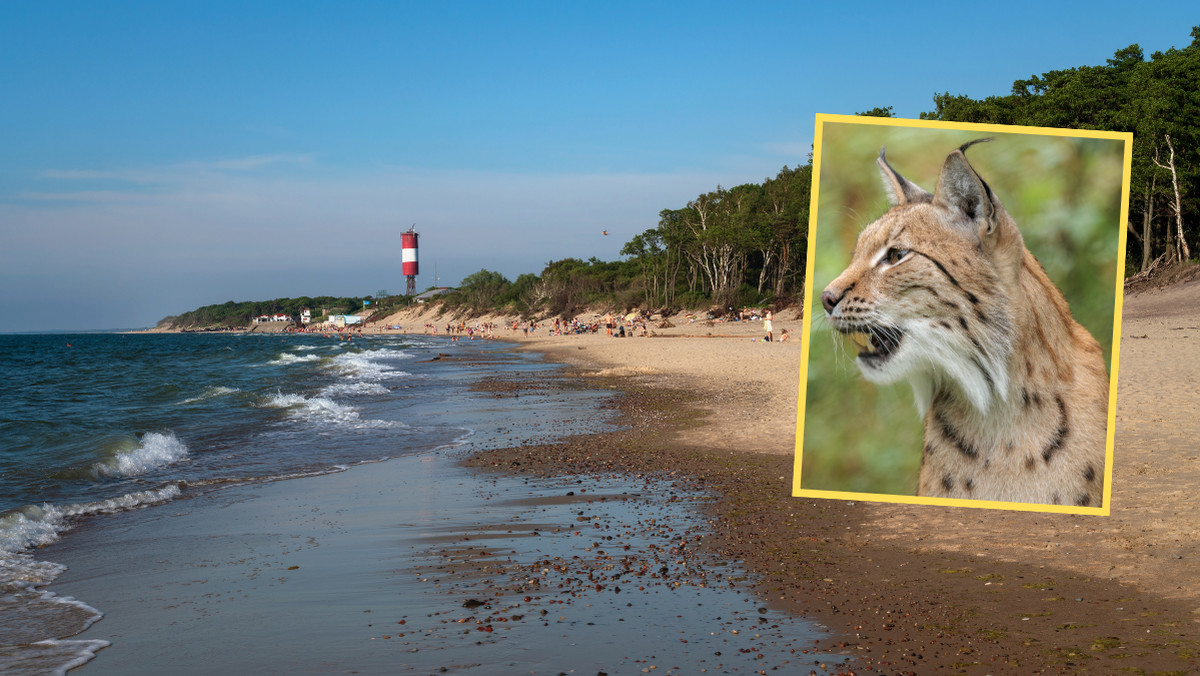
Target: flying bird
(604,232)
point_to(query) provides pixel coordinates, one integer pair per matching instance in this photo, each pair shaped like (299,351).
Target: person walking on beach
(767,325)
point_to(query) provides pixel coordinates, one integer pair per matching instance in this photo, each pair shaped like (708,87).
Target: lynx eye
(894,255)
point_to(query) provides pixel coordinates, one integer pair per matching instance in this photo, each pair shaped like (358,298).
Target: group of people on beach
(330,331)
(614,326)
(458,329)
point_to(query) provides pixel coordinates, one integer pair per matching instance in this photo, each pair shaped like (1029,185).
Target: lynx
(942,292)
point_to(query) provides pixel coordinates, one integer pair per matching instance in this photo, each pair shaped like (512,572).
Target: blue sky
(159,156)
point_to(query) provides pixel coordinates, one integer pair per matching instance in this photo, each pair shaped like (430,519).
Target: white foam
(37,657)
(154,450)
(126,502)
(354,389)
(323,409)
(355,365)
(367,364)
(77,652)
(19,570)
(41,613)
(386,353)
(288,358)
(211,393)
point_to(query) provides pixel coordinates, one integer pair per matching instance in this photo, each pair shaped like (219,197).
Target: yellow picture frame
(1066,189)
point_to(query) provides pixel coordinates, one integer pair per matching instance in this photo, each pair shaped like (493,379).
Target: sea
(96,426)
(93,424)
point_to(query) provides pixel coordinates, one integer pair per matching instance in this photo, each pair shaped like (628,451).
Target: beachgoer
(767,325)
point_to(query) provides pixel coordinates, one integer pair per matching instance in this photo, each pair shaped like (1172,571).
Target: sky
(159,156)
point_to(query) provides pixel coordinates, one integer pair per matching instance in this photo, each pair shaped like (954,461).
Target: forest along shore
(908,587)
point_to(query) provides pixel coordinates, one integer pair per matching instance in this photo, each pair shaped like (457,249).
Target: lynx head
(925,293)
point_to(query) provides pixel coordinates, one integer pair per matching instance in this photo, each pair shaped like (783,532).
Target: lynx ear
(899,189)
(959,187)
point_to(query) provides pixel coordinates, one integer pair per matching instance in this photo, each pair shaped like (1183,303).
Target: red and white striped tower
(408,260)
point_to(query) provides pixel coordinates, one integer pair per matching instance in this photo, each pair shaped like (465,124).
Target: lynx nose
(829,299)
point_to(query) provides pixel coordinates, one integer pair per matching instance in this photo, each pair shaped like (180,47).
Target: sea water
(93,424)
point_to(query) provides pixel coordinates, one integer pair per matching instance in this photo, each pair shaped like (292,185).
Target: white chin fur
(924,360)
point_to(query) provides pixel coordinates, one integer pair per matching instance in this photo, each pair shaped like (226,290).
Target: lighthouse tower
(408,261)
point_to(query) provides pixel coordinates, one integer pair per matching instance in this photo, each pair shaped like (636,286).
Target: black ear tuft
(968,144)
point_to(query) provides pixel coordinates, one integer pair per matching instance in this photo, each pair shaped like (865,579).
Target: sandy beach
(918,587)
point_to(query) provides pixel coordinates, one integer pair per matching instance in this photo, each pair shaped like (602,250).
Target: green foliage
(486,289)
(878,112)
(564,288)
(570,285)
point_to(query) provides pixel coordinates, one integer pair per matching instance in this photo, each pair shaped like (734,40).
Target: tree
(1181,251)
(878,112)
(786,202)
(484,288)
(651,257)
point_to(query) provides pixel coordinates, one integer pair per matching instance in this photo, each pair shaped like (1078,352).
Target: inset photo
(962,320)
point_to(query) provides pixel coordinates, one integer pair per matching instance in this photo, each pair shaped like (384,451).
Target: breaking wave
(285,358)
(154,450)
(323,409)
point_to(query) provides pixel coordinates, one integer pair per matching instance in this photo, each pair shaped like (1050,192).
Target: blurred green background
(1064,194)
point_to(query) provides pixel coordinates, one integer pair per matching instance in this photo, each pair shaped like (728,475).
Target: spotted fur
(1013,391)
